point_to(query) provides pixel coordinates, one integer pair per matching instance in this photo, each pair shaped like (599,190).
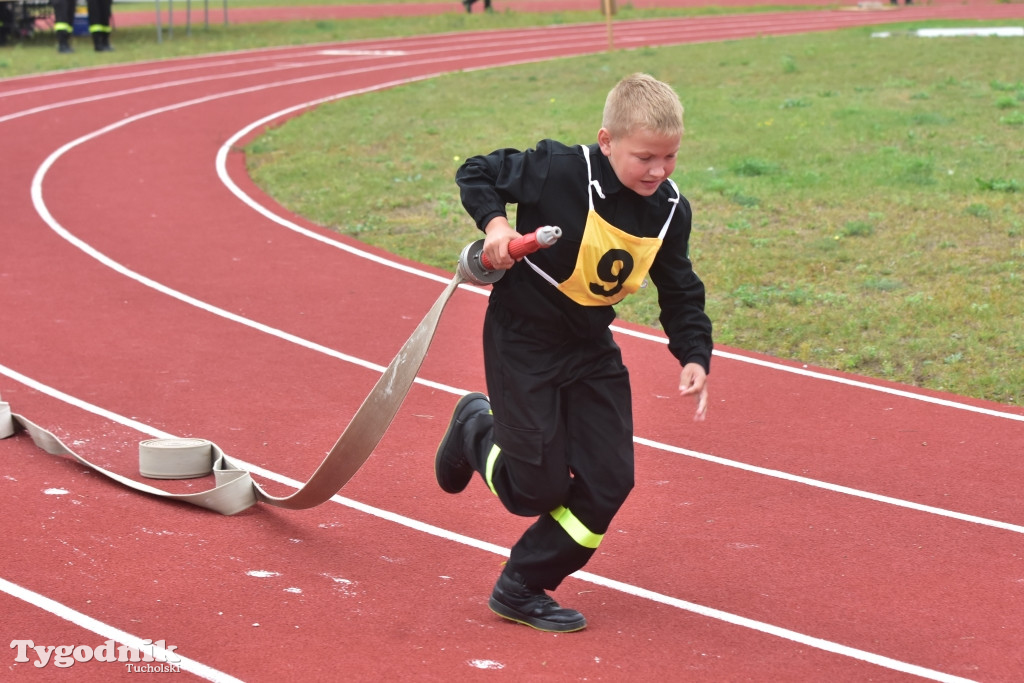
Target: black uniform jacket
(549,185)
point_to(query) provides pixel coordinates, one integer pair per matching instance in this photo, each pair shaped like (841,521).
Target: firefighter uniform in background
(63,23)
(99,24)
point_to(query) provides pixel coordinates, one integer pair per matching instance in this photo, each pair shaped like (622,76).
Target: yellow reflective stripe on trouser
(62,26)
(574,527)
(492,457)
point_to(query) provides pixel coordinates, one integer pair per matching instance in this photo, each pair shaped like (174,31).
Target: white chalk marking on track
(416,525)
(112,633)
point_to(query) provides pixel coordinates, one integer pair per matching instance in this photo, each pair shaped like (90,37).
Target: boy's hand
(693,381)
(499,234)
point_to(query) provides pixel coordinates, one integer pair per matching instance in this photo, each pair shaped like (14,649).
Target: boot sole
(540,624)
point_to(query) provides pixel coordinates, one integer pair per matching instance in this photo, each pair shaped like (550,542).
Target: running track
(818,526)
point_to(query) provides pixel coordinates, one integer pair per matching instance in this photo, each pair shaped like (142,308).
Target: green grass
(857,200)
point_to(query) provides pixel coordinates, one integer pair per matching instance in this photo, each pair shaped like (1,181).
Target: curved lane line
(44,213)
(245,198)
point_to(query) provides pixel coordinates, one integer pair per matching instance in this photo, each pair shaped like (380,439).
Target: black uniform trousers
(64,14)
(561,439)
(99,15)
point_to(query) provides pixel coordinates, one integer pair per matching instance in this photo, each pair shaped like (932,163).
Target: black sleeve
(681,294)
(488,183)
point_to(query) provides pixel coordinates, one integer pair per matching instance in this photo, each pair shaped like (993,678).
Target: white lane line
(44,213)
(84,77)
(649,443)
(166,85)
(426,56)
(835,488)
(112,633)
(416,525)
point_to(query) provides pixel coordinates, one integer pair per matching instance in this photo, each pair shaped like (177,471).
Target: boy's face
(642,160)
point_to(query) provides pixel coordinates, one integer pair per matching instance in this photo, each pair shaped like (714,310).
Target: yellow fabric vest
(612,263)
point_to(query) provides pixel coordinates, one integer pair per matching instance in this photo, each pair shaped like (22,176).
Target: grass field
(857,200)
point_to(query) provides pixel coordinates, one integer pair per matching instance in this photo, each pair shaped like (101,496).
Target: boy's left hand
(693,381)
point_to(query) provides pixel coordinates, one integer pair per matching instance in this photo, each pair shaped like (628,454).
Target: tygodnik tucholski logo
(149,657)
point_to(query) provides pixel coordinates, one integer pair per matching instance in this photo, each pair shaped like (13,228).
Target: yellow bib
(612,263)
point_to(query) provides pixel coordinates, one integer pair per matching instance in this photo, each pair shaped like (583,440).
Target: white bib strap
(591,183)
(675,203)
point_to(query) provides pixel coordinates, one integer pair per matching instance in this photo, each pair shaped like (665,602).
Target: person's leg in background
(63,20)
(99,24)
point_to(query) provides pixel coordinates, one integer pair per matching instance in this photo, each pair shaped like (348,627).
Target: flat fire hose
(234,489)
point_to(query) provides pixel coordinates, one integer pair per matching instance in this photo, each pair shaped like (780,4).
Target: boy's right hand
(499,234)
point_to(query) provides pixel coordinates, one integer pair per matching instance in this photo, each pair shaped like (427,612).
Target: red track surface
(252,14)
(818,526)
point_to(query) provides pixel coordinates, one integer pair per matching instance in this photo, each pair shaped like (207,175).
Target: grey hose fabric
(234,488)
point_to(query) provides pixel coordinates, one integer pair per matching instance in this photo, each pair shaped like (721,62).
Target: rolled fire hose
(234,489)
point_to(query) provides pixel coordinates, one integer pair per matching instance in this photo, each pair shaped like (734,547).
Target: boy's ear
(604,139)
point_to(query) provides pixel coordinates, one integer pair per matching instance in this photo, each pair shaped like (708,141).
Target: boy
(555,439)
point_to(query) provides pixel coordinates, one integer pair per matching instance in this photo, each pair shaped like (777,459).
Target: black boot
(101,42)
(63,42)
(512,599)
(452,465)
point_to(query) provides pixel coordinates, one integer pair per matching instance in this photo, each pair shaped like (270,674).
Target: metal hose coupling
(474,266)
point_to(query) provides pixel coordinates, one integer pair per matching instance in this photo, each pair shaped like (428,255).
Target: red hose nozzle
(475,267)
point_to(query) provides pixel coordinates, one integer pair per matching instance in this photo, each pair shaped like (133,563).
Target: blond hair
(642,101)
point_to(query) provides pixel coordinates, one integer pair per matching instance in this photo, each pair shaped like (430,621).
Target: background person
(99,23)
